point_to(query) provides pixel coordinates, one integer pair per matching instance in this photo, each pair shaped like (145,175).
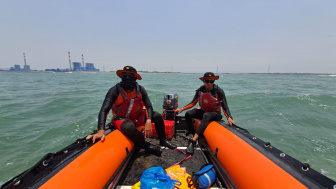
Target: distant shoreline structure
(158,72)
(76,67)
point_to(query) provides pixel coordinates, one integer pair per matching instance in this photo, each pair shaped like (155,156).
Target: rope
(188,157)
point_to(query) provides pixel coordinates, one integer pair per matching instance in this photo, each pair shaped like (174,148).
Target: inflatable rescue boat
(240,160)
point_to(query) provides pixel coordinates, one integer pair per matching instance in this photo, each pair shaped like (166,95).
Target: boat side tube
(80,165)
(252,163)
(223,179)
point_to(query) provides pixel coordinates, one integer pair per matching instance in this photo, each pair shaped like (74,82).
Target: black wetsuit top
(112,96)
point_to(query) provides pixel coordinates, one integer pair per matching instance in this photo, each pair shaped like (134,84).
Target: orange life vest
(131,108)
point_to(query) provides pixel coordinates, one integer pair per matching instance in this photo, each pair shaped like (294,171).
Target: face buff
(128,83)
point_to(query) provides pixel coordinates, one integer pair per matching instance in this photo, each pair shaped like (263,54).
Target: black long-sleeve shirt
(111,98)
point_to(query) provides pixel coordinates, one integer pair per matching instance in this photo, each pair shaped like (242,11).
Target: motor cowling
(170,103)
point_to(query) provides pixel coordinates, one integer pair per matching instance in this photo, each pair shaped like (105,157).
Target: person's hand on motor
(178,111)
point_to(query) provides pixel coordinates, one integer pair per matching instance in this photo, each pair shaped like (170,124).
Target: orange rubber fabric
(246,166)
(94,167)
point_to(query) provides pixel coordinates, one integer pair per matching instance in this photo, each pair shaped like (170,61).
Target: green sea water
(44,112)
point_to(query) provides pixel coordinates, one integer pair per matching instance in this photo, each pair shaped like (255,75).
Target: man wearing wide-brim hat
(210,98)
(127,99)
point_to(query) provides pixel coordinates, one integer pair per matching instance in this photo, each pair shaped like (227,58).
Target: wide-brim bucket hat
(209,75)
(129,69)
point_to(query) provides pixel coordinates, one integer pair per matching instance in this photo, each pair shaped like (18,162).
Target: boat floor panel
(142,160)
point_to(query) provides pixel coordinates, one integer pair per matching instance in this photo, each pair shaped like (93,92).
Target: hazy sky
(171,35)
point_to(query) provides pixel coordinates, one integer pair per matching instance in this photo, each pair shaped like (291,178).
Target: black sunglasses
(127,75)
(209,81)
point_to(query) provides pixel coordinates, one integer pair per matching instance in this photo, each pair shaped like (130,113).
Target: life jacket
(207,102)
(131,108)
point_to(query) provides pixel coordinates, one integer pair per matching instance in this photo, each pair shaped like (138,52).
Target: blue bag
(205,177)
(155,177)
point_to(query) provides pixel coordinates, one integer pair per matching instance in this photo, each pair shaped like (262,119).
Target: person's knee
(127,127)
(157,119)
(188,114)
(206,117)
(156,115)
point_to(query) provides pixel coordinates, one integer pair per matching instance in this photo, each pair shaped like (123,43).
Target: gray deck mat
(144,160)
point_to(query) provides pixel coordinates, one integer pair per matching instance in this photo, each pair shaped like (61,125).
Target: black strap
(121,91)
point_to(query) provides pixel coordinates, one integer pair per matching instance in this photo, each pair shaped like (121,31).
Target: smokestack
(83,60)
(24,58)
(69,60)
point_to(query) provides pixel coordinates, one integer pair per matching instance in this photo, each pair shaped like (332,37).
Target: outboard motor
(170,103)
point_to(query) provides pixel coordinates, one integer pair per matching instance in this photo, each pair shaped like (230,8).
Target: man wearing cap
(210,98)
(127,99)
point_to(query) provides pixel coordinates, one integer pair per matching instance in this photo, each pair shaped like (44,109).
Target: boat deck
(142,160)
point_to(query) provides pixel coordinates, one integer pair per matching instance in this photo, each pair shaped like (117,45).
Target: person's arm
(147,102)
(149,107)
(226,110)
(110,98)
(193,102)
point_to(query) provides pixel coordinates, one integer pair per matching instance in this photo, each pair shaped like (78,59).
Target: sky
(192,36)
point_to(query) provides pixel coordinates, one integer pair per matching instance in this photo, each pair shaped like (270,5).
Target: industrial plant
(73,67)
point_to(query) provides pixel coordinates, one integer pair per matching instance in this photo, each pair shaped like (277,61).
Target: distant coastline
(67,71)
(158,72)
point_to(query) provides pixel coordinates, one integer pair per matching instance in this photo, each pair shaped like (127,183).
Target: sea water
(45,112)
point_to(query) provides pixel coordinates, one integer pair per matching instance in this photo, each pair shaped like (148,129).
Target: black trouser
(206,118)
(128,128)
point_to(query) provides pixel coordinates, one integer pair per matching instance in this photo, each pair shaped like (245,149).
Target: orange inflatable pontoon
(249,162)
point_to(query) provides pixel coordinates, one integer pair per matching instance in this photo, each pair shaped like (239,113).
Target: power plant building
(89,67)
(17,68)
(77,66)
(26,68)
